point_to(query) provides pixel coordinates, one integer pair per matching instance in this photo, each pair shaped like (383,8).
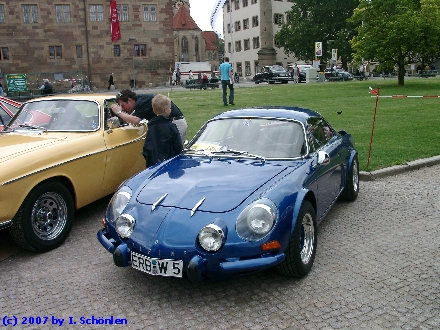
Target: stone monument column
(267,53)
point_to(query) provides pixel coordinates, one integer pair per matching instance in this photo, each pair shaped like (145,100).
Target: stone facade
(28,44)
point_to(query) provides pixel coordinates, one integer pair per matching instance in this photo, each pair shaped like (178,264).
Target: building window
(237,4)
(254,21)
(79,51)
(256,42)
(185,50)
(229,28)
(278,19)
(289,0)
(96,13)
(209,56)
(196,49)
(246,24)
(245,3)
(55,52)
(30,14)
(240,69)
(214,56)
(246,44)
(2,14)
(4,54)
(229,47)
(247,68)
(237,26)
(238,46)
(228,8)
(122,13)
(116,50)
(150,13)
(253,2)
(63,13)
(140,50)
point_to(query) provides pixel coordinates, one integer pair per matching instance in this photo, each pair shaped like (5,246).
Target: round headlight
(256,220)
(119,201)
(260,219)
(211,238)
(124,225)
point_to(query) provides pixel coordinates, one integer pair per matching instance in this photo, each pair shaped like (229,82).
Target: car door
(327,177)
(123,153)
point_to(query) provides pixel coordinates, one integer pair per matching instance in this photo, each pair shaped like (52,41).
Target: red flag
(373,91)
(116,32)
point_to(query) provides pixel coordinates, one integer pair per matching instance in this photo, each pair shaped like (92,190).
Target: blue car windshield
(268,138)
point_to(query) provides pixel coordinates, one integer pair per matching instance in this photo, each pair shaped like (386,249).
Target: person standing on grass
(295,73)
(227,78)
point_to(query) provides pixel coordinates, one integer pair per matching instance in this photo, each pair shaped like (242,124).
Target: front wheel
(301,251)
(45,218)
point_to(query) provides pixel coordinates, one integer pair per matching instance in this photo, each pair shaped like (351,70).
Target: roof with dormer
(183,20)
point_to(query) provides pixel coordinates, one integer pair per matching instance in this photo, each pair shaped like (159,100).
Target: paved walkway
(377,267)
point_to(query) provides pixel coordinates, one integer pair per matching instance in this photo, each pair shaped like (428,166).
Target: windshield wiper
(238,153)
(33,127)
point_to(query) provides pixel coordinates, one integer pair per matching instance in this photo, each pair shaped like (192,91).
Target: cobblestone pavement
(377,267)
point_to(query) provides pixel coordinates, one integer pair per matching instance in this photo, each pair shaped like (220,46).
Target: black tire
(45,218)
(351,189)
(301,250)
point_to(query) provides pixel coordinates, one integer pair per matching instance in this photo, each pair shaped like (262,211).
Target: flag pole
(372,91)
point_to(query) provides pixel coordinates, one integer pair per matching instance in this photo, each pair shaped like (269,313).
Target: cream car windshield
(262,137)
(57,115)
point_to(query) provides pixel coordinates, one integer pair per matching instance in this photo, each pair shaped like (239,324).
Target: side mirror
(323,158)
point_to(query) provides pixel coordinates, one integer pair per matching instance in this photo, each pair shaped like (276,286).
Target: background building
(249,31)
(65,40)
(191,44)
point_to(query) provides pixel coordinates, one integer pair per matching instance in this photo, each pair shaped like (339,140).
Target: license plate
(155,266)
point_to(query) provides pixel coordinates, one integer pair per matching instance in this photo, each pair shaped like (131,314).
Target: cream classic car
(58,154)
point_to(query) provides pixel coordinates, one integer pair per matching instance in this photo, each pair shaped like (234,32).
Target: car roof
(99,97)
(283,112)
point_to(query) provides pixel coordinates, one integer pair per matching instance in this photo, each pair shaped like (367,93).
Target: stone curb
(397,169)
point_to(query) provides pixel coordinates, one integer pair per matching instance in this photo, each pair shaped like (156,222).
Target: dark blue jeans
(225,85)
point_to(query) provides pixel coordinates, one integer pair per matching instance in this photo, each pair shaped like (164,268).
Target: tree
(396,32)
(318,20)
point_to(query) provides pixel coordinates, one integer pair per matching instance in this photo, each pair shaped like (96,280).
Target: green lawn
(406,128)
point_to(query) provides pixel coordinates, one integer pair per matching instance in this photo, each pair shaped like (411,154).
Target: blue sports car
(247,193)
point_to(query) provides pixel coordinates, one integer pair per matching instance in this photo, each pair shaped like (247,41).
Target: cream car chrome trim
(5,224)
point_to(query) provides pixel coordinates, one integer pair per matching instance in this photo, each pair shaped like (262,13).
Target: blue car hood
(223,184)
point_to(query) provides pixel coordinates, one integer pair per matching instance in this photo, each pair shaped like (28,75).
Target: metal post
(132,39)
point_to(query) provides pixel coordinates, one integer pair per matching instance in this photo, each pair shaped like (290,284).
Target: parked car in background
(246,194)
(272,74)
(337,74)
(58,154)
(8,108)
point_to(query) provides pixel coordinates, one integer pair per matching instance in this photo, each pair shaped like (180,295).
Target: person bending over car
(133,108)
(163,139)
